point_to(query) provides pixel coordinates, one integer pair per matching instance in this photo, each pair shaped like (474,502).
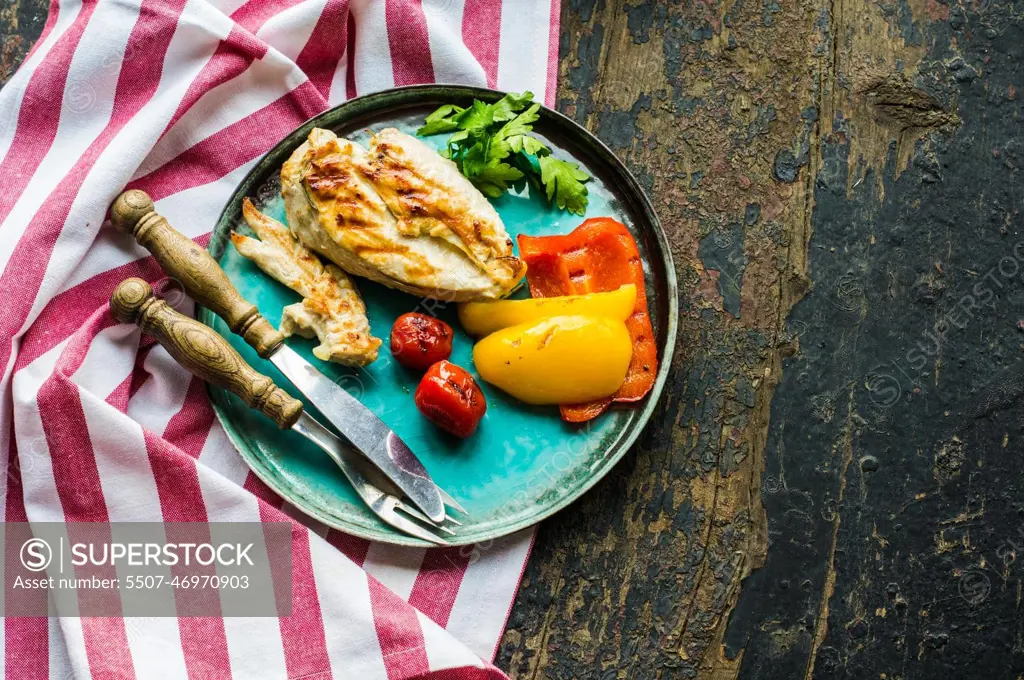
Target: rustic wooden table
(831,485)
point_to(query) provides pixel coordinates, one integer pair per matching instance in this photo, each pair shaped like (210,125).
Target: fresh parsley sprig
(493,147)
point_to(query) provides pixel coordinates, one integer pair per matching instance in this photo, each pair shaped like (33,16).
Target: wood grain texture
(698,99)
(190,264)
(830,487)
(21,22)
(202,351)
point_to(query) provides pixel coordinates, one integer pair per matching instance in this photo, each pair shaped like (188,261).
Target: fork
(208,356)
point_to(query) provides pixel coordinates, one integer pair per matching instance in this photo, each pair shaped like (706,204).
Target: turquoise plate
(523,463)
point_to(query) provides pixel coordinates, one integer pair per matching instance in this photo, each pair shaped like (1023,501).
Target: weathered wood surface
(831,486)
(21,22)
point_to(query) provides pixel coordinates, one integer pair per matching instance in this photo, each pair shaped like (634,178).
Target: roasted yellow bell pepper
(558,360)
(483,318)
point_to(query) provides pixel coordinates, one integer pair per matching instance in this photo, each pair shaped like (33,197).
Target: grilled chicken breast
(399,214)
(331,309)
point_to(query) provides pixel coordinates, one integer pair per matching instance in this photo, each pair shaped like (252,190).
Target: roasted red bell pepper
(599,255)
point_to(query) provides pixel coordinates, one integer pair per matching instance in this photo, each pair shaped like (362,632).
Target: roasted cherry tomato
(450,398)
(418,341)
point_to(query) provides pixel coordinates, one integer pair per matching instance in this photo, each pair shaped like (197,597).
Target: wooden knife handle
(202,351)
(198,272)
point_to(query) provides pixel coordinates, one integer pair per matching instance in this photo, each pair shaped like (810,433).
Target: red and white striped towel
(180,97)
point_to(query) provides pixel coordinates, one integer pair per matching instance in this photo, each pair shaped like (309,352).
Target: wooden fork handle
(202,351)
(196,270)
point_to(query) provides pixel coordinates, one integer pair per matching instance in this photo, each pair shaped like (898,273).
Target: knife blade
(207,355)
(366,482)
(205,281)
(363,429)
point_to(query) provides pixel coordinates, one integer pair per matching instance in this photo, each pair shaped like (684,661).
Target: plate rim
(622,445)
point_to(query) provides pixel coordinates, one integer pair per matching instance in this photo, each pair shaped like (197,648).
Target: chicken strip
(331,309)
(398,214)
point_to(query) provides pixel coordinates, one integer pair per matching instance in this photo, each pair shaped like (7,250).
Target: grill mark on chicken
(331,309)
(413,187)
(352,222)
(399,214)
(373,250)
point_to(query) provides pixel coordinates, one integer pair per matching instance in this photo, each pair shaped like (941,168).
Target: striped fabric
(180,97)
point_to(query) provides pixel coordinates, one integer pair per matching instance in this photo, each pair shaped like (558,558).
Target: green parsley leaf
(442,120)
(494,180)
(493,146)
(499,149)
(521,124)
(506,107)
(476,118)
(457,138)
(515,134)
(475,159)
(564,183)
(528,144)
(531,175)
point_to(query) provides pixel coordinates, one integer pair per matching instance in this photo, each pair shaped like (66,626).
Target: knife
(205,281)
(205,354)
